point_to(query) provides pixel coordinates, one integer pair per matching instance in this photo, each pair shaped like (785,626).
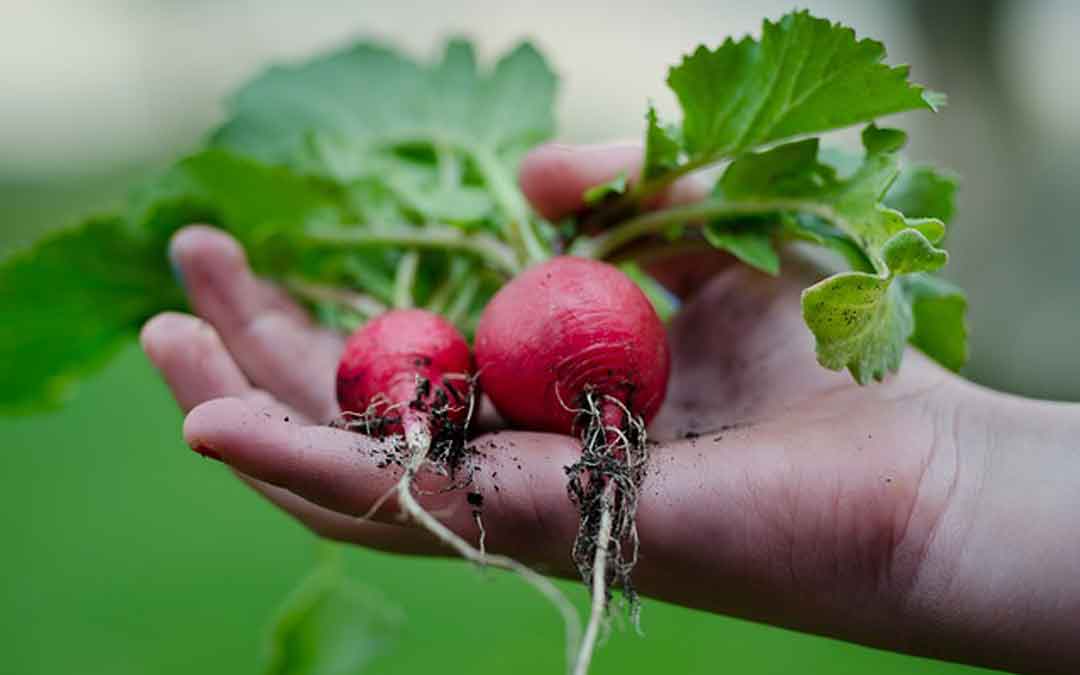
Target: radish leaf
(939,309)
(752,245)
(805,75)
(661,148)
(70,302)
(922,191)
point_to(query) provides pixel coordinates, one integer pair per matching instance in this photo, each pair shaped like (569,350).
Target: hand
(925,514)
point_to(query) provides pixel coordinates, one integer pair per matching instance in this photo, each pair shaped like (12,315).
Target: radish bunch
(571,346)
(409,373)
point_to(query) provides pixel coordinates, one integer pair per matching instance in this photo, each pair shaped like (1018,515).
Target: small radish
(409,372)
(573,346)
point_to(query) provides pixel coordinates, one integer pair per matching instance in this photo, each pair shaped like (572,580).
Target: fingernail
(207,452)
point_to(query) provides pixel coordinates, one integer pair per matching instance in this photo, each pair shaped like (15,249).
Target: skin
(925,515)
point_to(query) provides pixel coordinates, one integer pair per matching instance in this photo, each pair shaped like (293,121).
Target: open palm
(899,515)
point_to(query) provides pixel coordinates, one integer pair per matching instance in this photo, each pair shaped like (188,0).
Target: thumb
(554,177)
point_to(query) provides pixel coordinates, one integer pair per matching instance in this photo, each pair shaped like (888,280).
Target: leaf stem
(648,188)
(432,237)
(520,230)
(364,305)
(405,279)
(440,297)
(460,307)
(449,166)
(526,244)
(641,191)
(656,222)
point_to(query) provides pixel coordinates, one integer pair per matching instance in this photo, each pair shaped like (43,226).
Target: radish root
(418,441)
(613,463)
(599,585)
(417,422)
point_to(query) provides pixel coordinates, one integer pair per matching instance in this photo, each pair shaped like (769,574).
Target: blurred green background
(125,553)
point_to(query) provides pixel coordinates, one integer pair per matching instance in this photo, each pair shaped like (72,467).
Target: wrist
(999,580)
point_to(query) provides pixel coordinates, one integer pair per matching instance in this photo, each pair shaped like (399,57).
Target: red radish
(561,327)
(401,368)
(573,346)
(409,371)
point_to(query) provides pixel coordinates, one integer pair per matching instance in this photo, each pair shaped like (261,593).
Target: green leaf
(663,301)
(922,191)
(241,195)
(857,201)
(802,227)
(805,75)
(368,113)
(863,319)
(603,191)
(793,178)
(370,100)
(460,205)
(265,207)
(909,251)
(861,322)
(331,626)
(787,171)
(661,148)
(940,323)
(76,297)
(71,301)
(752,245)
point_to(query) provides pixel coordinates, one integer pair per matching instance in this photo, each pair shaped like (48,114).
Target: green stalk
(526,244)
(405,280)
(630,202)
(657,222)
(520,230)
(440,298)
(364,305)
(460,307)
(649,188)
(435,238)
(449,166)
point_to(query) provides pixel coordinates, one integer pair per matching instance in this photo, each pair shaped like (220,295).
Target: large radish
(573,346)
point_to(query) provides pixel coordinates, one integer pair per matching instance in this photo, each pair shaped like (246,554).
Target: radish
(409,372)
(573,346)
